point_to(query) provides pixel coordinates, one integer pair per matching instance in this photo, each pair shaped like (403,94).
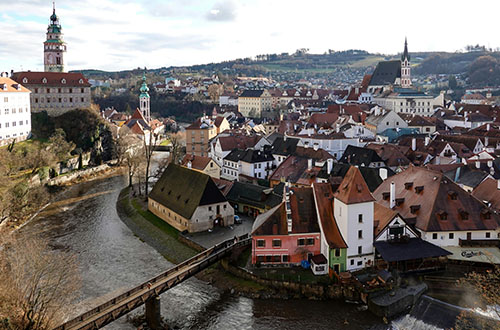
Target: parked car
(237,219)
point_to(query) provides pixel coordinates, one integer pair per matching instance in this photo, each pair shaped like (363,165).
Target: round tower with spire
(405,68)
(54,47)
(144,99)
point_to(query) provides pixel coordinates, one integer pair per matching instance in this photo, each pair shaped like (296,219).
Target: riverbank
(166,240)
(56,188)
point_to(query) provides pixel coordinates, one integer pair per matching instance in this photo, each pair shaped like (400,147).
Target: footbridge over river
(149,291)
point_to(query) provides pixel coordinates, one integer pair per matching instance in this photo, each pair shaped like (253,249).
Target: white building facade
(15,111)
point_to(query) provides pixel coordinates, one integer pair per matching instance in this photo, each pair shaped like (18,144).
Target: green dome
(53,17)
(144,87)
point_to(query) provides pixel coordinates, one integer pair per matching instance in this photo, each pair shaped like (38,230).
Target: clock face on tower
(50,59)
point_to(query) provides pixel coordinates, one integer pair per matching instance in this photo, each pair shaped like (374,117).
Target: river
(111,259)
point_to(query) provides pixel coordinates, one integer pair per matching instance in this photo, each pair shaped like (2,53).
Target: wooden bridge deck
(128,301)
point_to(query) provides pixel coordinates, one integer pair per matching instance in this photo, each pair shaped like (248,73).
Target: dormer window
(408,185)
(4,87)
(419,189)
(386,195)
(44,80)
(25,80)
(399,201)
(486,214)
(414,208)
(443,215)
(453,195)
(81,81)
(464,214)
(63,81)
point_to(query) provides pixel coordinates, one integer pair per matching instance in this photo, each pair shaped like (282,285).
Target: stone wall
(316,291)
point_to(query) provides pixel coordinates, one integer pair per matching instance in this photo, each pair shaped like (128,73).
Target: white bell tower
(405,68)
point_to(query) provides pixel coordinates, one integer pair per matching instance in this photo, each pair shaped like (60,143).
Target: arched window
(63,81)
(25,80)
(44,80)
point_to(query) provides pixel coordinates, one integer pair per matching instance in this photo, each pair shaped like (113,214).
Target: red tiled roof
(323,194)
(238,142)
(73,79)
(382,216)
(197,162)
(353,188)
(438,203)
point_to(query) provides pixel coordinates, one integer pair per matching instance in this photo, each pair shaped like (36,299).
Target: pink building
(289,232)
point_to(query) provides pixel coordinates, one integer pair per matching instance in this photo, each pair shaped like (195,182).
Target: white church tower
(144,100)
(405,68)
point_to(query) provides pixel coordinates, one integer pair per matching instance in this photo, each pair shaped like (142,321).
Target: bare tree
(149,148)
(37,285)
(133,159)
(125,141)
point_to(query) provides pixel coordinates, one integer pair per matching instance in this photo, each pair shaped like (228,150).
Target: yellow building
(252,103)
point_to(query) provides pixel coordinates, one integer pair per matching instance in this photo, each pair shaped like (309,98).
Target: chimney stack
(414,144)
(309,164)
(478,164)
(315,147)
(393,195)
(498,184)
(329,166)
(488,127)
(427,140)
(382,173)
(189,164)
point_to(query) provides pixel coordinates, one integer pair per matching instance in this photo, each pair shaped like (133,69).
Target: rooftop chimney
(414,144)
(315,146)
(189,165)
(498,184)
(329,166)
(286,196)
(487,127)
(427,140)
(382,173)
(309,164)
(478,164)
(393,195)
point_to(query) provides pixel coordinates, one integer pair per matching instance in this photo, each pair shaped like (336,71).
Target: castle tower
(144,100)
(54,47)
(405,68)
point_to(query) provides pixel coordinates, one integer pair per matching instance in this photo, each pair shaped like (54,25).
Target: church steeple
(405,67)
(144,100)
(54,46)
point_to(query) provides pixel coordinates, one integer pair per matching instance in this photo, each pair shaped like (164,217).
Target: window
(487,235)
(360,218)
(13,123)
(6,111)
(210,208)
(6,99)
(360,234)
(435,236)
(83,91)
(276,243)
(6,124)
(277,258)
(310,241)
(261,243)
(83,100)
(59,90)
(360,249)
(285,258)
(352,262)
(301,242)
(224,207)
(451,235)
(260,258)
(360,263)
(337,252)
(20,123)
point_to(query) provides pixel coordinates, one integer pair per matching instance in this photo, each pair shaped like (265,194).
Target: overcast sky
(125,34)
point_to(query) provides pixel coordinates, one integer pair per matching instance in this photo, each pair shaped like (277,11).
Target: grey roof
(284,148)
(386,73)
(376,120)
(249,156)
(255,195)
(467,176)
(370,174)
(360,156)
(235,155)
(252,93)
(182,190)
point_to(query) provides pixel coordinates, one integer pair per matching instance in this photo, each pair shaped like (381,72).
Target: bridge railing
(210,253)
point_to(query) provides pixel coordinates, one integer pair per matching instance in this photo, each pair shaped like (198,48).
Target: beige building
(189,200)
(55,92)
(408,101)
(203,164)
(254,103)
(199,134)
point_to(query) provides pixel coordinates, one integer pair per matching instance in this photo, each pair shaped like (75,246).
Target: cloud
(223,11)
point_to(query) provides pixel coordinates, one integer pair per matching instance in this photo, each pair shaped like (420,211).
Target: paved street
(219,234)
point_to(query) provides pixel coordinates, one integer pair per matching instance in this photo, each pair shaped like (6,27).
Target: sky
(125,34)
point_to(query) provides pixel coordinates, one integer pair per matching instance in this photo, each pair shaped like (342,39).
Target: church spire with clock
(144,100)
(54,47)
